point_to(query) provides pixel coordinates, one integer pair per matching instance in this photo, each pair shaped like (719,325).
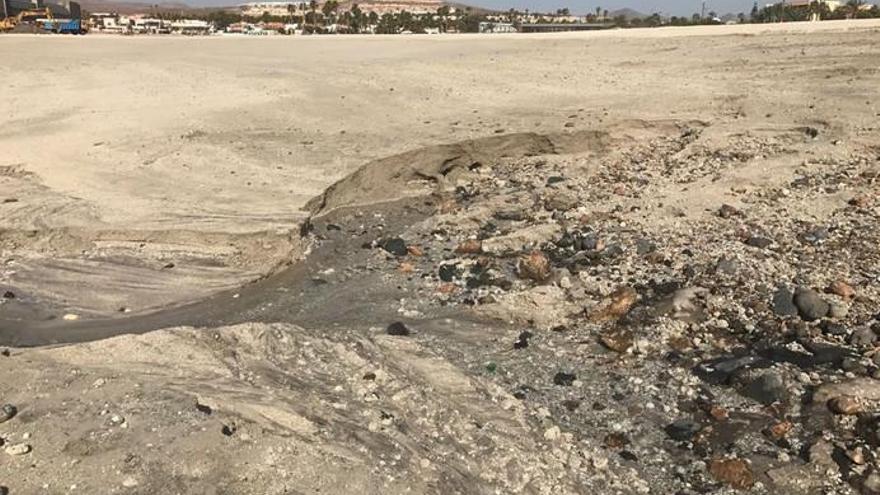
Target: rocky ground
(667,307)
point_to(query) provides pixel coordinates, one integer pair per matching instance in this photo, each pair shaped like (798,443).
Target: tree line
(317,18)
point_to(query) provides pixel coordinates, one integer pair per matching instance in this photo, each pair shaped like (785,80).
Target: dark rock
(628,456)
(728,211)
(564,379)
(448,272)
(832,328)
(767,387)
(514,214)
(814,236)
(810,304)
(523,340)
(333,226)
(397,328)
(9,295)
(7,412)
(721,370)
(783,302)
(571,404)
(204,409)
(369,376)
(554,179)
(394,245)
(811,132)
(228,430)
(682,430)
(759,242)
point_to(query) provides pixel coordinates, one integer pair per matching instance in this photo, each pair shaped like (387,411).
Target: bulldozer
(9,23)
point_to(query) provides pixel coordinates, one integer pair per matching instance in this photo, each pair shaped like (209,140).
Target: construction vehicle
(65,26)
(25,16)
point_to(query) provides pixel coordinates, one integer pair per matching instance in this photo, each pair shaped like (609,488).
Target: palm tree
(313,4)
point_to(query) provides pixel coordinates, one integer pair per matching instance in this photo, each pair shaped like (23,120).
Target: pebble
(523,340)
(842,289)
(564,379)
(783,302)
(759,242)
(9,295)
(734,472)
(768,387)
(534,266)
(845,405)
(18,449)
(682,430)
(395,246)
(810,304)
(7,412)
(398,329)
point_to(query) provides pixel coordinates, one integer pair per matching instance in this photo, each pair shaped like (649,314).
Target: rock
(561,201)
(728,211)
(779,430)
(554,179)
(543,307)
(116,420)
(842,289)
(682,430)
(518,240)
(845,405)
(618,304)
(767,388)
(814,236)
(759,242)
(130,482)
(721,370)
(394,245)
(862,388)
(398,329)
(821,454)
(863,201)
(415,251)
(734,472)
(783,302)
(871,485)
(7,412)
(617,340)
(18,449)
(9,295)
(534,266)
(470,246)
(832,328)
(837,310)
(863,337)
(448,272)
(810,304)
(70,317)
(513,214)
(564,379)
(523,340)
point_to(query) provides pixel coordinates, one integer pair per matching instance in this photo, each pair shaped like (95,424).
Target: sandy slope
(222,136)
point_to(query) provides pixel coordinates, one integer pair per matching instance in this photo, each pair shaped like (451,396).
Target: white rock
(18,449)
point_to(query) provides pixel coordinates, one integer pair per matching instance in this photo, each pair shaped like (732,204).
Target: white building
(276,9)
(496,27)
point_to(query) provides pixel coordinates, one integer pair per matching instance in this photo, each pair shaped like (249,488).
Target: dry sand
(148,172)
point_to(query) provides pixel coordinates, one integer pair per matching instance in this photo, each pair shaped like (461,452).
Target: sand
(150,172)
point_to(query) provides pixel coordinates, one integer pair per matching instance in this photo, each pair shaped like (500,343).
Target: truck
(65,26)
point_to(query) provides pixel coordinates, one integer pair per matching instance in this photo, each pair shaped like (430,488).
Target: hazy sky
(669,7)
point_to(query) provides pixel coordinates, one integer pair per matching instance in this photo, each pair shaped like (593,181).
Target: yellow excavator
(9,23)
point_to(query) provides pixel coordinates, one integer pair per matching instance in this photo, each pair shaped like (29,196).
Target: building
(559,27)
(58,8)
(274,9)
(496,27)
(831,4)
